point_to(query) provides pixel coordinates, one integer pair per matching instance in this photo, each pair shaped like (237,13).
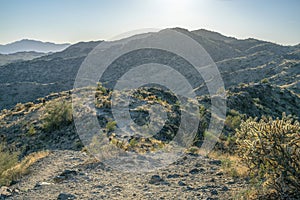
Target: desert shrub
(57,114)
(31,130)
(233,120)
(230,164)
(204,116)
(101,89)
(265,80)
(228,167)
(227,140)
(133,142)
(271,150)
(193,150)
(111,126)
(8,159)
(12,170)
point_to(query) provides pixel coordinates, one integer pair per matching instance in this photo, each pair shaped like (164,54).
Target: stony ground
(75,175)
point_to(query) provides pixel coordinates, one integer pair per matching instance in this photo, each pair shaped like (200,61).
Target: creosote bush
(57,114)
(271,150)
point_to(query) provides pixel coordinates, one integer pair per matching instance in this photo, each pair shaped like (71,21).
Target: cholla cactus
(271,149)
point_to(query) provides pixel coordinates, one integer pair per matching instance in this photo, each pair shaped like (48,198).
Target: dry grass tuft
(15,170)
(231,164)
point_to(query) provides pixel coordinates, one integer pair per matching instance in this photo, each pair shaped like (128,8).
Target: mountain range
(32,45)
(239,61)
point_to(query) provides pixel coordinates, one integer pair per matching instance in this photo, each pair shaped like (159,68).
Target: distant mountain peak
(25,45)
(34,40)
(212,35)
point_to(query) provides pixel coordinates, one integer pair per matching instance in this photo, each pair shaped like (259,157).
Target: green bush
(133,142)
(265,80)
(271,150)
(111,126)
(227,140)
(233,120)
(101,89)
(57,114)
(31,130)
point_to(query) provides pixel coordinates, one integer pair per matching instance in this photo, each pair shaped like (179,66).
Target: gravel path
(72,175)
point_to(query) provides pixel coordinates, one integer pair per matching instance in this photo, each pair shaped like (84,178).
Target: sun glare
(175,9)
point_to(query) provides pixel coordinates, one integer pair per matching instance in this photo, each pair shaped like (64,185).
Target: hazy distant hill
(19,56)
(239,61)
(29,80)
(31,45)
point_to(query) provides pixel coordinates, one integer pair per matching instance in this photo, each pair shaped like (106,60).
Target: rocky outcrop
(260,99)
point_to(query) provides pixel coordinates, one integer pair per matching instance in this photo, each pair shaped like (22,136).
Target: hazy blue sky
(83,20)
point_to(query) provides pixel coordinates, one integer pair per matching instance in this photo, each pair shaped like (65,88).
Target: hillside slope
(18,57)
(239,61)
(26,81)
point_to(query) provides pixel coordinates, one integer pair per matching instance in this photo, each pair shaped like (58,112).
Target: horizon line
(94,39)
